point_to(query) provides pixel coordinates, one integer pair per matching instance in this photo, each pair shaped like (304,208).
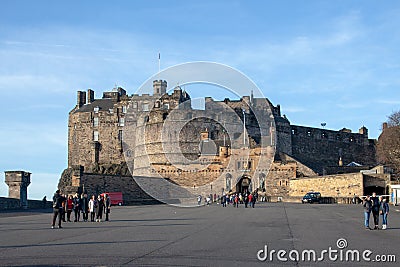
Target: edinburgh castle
(230,146)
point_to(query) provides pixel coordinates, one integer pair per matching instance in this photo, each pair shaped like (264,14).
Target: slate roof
(104,105)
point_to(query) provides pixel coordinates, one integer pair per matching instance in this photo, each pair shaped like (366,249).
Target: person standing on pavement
(367,204)
(384,211)
(57,209)
(375,210)
(77,207)
(250,197)
(64,207)
(70,207)
(92,208)
(107,206)
(85,207)
(255,196)
(99,208)
(223,200)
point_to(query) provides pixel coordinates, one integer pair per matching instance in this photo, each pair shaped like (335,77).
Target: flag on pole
(159,55)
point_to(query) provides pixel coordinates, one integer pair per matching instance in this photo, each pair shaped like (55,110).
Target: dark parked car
(312,197)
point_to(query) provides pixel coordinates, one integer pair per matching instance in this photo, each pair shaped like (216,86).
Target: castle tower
(159,87)
(363,130)
(18,182)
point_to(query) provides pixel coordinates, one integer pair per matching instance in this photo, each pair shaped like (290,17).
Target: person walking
(57,209)
(64,207)
(246,200)
(85,207)
(92,208)
(255,197)
(375,210)
(77,207)
(199,200)
(99,208)
(251,200)
(107,206)
(236,201)
(384,211)
(223,200)
(367,204)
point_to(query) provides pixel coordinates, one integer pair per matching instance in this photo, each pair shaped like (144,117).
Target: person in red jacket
(236,201)
(70,206)
(251,200)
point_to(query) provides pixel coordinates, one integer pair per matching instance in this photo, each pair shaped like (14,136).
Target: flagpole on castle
(159,62)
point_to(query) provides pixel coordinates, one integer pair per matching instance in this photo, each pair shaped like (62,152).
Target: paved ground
(207,236)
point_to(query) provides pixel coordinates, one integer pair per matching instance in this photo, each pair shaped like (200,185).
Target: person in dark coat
(85,207)
(384,211)
(99,208)
(255,197)
(367,204)
(107,206)
(58,199)
(375,210)
(77,207)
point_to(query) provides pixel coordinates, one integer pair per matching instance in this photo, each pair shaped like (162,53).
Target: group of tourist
(64,205)
(248,199)
(378,206)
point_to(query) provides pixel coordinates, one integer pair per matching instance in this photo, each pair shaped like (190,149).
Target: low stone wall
(336,186)
(14,204)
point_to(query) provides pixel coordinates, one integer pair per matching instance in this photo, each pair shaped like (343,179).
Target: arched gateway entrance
(243,185)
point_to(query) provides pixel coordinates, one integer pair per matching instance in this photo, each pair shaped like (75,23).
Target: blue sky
(323,61)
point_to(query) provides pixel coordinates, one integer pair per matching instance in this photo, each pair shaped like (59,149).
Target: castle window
(238,165)
(324,135)
(96,136)
(351,139)
(338,137)
(164,116)
(146,119)
(95,121)
(96,109)
(309,133)
(111,110)
(134,105)
(166,106)
(280,183)
(157,104)
(145,107)
(121,121)
(123,109)
(293,131)
(120,136)
(286,183)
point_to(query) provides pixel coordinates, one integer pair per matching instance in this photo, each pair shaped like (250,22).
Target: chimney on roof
(384,126)
(81,99)
(90,96)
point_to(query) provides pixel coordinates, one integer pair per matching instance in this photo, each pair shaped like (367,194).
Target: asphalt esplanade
(162,235)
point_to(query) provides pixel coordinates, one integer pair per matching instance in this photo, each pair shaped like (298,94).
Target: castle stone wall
(318,148)
(341,185)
